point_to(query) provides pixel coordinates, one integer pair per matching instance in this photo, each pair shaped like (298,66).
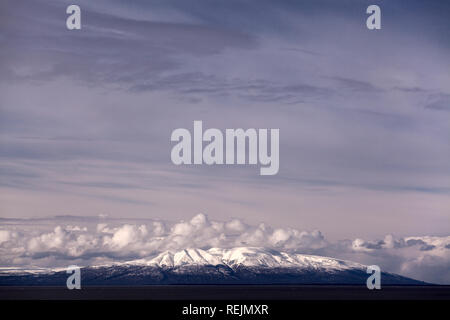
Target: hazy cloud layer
(102,240)
(86,118)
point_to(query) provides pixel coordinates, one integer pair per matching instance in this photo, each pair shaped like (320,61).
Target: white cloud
(235,225)
(426,258)
(126,235)
(4,236)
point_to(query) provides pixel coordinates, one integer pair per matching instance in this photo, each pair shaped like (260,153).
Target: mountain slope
(244,265)
(243,256)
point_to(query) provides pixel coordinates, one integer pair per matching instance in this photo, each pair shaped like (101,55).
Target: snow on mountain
(244,256)
(242,265)
(235,257)
(240,256)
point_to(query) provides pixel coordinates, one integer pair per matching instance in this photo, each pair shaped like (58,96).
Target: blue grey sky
(364,116)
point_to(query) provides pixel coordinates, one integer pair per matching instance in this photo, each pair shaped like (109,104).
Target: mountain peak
(243,256)
(240,265)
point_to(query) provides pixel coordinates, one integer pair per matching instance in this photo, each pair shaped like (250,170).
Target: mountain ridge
(247,256)
(240,265)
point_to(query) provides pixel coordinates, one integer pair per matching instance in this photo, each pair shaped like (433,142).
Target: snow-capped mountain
(243,265)
(244,256)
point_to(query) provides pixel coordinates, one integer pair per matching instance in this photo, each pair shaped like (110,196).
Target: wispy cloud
(85,117)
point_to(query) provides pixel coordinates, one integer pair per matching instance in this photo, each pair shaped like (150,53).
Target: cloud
(5,235)
(113,47)
(86,116)
(421,257)
(425,258)
(439,102)
(139,240)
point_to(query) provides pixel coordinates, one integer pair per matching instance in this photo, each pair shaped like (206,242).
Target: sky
(364,115)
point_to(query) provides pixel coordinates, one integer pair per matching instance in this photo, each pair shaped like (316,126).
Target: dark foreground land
(227,292)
